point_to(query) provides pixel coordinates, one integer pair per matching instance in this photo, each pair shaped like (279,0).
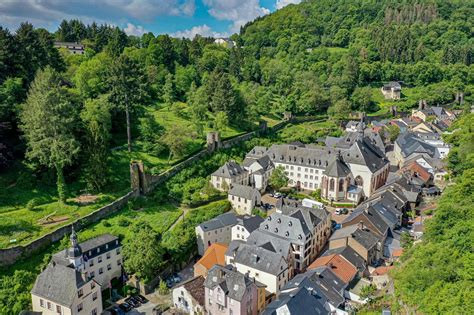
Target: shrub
(123,222)
(31,205)
(106,223)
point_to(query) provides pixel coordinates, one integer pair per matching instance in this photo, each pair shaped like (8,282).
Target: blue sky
(180,18)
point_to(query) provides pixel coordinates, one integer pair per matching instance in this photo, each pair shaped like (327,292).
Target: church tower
(74,252)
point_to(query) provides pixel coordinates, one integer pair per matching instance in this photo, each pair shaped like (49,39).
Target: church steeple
(360,129)
(74,252)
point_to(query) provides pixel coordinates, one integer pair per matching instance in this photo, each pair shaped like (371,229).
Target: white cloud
(48,13)
(283,3)
(135,30)
(237,11)
(202,30)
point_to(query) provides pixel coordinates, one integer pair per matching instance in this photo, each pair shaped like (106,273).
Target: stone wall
(10,255)
(141,183)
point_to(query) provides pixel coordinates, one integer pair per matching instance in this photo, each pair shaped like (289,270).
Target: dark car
(141,298)
(117,311)
(132,301)
(125,307)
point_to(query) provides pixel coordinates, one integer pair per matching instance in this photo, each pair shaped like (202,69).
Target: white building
(189,296)
(229,174)
(244,198)
(72,282)
(73,47)
(245,225)
(216,230)
(259,166)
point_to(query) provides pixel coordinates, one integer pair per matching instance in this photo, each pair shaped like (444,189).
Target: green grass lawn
(307,132)
(409,99)
(160,216)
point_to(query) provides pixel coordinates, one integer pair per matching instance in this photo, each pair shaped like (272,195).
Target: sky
(179,18)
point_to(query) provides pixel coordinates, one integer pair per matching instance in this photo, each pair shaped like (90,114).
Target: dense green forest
(66,121)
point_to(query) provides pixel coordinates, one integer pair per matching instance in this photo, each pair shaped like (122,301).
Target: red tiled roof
(397,252)
(343,269)
(214,255)
(416,169)
(379,271)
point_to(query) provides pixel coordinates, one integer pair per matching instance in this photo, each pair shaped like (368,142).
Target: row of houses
(293,262)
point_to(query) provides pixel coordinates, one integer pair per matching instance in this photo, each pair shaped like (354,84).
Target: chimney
(361,225)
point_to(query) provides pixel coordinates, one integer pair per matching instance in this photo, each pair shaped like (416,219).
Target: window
(238,235)
(108,255)
(99,259)
(79,307)
(91,262)
(331,184)
(106,246)
(92,285)
(109,266)
(41,302)
(341,184)
(119,262)
(117,251)
(94,296)
(299,168)
(94,311)
(58,309)
(80,293)
(101,271)
(92,274)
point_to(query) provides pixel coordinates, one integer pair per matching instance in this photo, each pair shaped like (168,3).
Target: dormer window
(287,234)
(266,226)
(276,230)
(279,220)
(290,223)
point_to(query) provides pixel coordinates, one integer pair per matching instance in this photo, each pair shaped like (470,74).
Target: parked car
(141,298)
(277,195)
(176,278)
(116,311)
(341,211)
(132,301)
(125,307)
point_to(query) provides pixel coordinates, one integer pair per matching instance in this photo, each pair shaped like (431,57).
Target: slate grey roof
(344,232)
(410,144)
(90,248)
(59,283)
(363,152)
(337,168)
(393,85)
(250,223)
(366,238)
(272,242)
(230,169)
(257,152)
(244,191)
(355,124)
(294,223)
(372,215)
(322,281)
(260,258)
(299,301)
(223,220)
(233,283)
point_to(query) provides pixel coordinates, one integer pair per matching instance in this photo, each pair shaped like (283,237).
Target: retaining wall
(10,255)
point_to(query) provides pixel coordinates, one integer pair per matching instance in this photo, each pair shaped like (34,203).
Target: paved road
(146,309)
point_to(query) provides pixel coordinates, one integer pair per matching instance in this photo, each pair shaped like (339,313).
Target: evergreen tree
(97,122)
(127,90)
(169,90)
(47,121)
